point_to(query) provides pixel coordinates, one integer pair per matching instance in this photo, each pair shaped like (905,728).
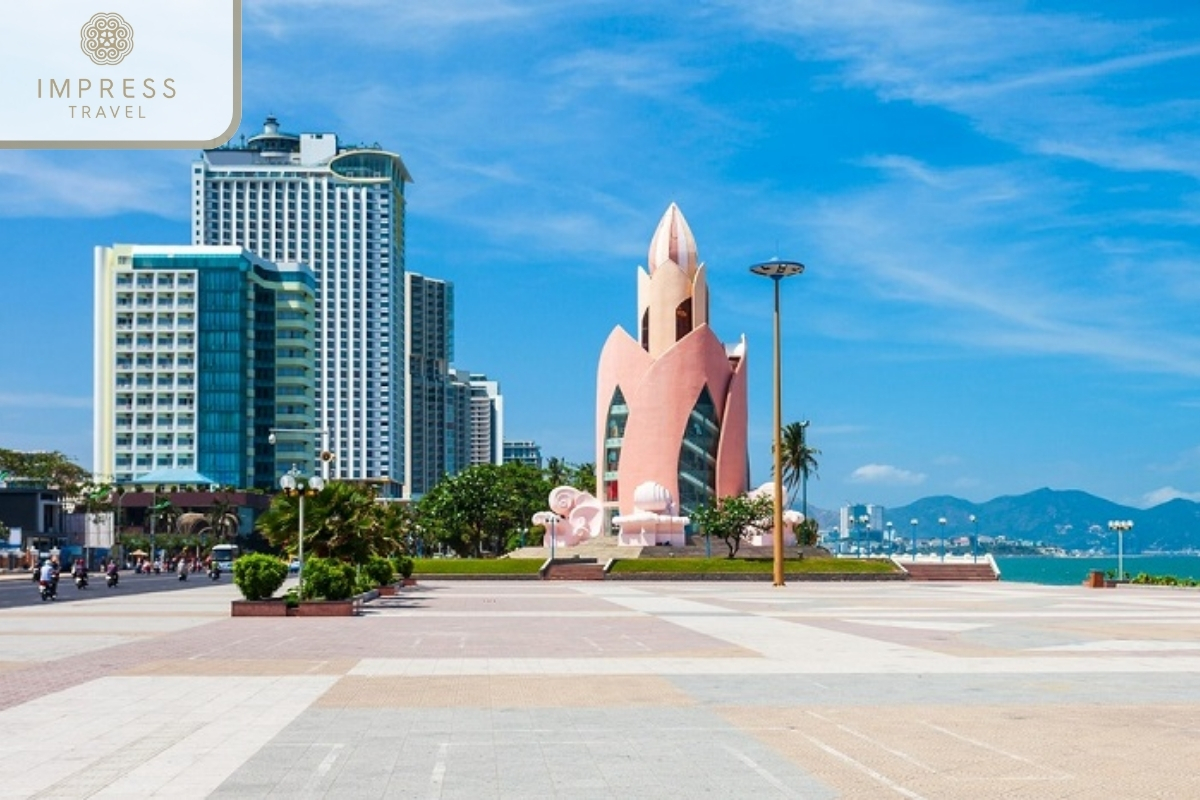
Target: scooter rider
(113,577)
(80,573)
(48,579)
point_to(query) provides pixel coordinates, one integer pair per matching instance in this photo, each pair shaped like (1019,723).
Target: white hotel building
(339,209)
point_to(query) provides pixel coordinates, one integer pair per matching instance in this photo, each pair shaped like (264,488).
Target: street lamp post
(778,270)
(913,522)
(974,538)
(294,483)
(553,534)
(1120,526)
(891,536)
(864,529)
(942,540)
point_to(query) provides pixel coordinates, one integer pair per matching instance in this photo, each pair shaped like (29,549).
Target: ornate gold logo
(106,38)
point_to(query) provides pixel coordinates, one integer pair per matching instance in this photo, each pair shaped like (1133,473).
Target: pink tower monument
(670,404)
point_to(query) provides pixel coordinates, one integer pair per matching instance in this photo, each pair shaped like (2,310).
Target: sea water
(1062,571)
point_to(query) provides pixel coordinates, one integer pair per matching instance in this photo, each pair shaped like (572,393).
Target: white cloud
(92,184)
(1046,90)
(1165,494)
(989,256)
(887,475)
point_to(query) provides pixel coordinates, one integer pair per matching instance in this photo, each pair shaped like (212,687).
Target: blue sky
(998,207)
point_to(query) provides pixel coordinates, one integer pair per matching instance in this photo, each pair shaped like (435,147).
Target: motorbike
(112,579)
(183,574)
(48,592)
(81,581)
(215,573)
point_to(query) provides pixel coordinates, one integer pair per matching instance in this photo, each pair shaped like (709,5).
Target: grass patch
(476,566)
(718,566)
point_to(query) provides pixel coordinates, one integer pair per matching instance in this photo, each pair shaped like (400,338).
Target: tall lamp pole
(294,483)
(778,270)
(942,540)
(974,538)
(1120,526)
(913,522)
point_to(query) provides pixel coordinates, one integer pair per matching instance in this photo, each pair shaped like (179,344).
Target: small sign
(121,74)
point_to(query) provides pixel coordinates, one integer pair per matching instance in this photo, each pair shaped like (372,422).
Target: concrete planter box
(390,590)
(274,607)
(408,581)
(327,608)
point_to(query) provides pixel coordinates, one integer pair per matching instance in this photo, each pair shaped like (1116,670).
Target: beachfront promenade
(612,689)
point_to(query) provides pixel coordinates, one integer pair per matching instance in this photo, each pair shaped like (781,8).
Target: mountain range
(1070,519)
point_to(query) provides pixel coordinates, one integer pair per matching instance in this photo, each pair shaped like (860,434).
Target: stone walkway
(605,690)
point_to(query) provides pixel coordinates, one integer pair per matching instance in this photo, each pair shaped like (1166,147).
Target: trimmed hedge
(328,579)
(258,576)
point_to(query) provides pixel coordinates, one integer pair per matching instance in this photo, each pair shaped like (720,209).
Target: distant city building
(431,427)
(306,198)
(851,517)
(524,453)
(199,352)
(671,404)
(479,406)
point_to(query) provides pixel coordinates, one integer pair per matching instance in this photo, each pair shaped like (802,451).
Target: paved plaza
(525,689)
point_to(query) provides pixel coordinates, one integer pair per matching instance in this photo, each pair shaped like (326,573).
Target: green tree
(221,520)
(732,518)
(340,522)
(799,461)
(558,472)
(43,468)
(583,477)
(807,533)
(483,505)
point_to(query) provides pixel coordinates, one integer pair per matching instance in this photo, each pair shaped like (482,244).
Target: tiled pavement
(531,690)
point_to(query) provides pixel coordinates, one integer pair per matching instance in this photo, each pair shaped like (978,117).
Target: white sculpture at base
(764,537)
(653,521)
(574,517)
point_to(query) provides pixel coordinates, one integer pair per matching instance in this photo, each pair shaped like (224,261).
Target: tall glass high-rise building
(432,422)
(339,209)
(199,353)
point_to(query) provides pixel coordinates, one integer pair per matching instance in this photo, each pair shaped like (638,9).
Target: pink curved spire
(673,242)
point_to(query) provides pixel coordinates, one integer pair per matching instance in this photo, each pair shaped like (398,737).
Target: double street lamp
(778,270)
(1120,526)
(294,483)
(913,522)
(942,540)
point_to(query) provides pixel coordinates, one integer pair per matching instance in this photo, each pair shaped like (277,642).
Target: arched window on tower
(614,438)
(683,319)
(698,455)
(646,329)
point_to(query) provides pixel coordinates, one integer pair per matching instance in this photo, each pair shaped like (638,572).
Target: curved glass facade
(698,455)
(614,437)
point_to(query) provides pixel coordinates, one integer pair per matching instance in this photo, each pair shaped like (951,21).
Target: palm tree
(340,522)
(799,461)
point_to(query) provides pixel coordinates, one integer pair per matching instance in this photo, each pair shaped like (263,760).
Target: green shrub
(257,576)
(379,571)
(403,565)
(327,578)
